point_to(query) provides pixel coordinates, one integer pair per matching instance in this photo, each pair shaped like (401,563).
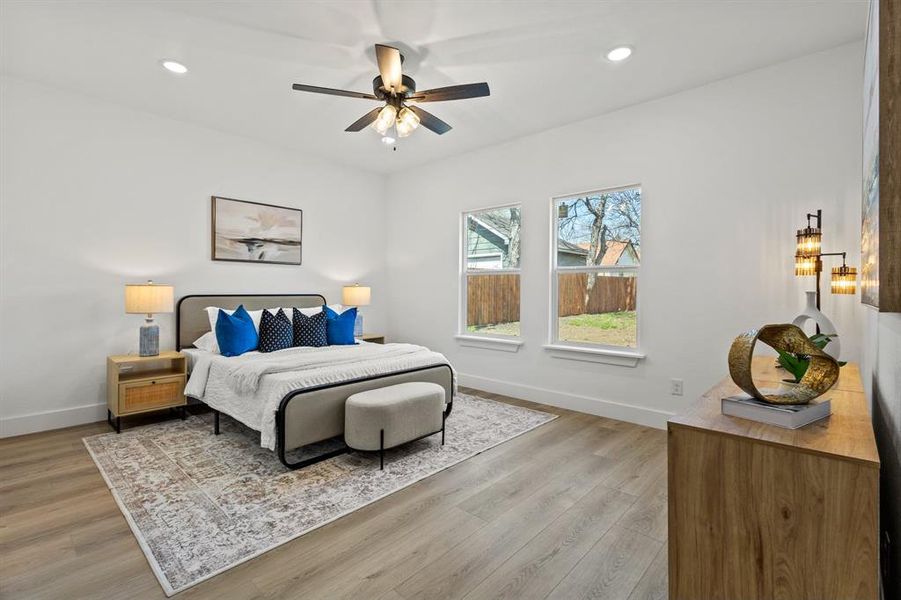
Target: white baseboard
(650,417)
(91,413)
(52,419)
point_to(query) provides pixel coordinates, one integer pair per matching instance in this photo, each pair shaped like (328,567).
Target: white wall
(728,170)
(95,196)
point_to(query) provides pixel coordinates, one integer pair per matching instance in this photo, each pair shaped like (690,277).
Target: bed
(295,408)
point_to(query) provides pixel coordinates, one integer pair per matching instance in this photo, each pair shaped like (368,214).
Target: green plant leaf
(820,340)
(794,365)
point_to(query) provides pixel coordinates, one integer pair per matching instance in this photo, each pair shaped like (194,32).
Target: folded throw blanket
(244,377)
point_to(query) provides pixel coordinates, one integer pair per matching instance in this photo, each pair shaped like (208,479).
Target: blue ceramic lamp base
(358,325)
(150,339)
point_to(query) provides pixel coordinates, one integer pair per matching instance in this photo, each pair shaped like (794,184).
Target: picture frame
(880,275)
(869,218)
(245,231)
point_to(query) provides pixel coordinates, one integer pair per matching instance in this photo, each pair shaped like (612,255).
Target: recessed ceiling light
(619,54)
(174,67)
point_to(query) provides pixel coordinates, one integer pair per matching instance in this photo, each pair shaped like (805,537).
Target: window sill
(489,343)
(622,358)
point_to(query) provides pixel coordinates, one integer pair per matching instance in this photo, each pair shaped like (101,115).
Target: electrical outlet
(675,387)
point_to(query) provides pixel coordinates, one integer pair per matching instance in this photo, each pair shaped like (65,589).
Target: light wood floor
(573,509)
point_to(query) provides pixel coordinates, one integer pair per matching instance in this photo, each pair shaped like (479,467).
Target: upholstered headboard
(192,321)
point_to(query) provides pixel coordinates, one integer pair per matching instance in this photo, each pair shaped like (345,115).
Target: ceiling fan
(398,92)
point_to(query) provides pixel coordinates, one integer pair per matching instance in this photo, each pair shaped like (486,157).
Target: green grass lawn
(614,329)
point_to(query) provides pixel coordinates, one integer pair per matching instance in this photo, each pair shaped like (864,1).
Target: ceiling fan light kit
(395,89)
(407,121)
(385,119)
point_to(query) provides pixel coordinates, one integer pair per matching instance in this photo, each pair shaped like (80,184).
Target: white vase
(812,313)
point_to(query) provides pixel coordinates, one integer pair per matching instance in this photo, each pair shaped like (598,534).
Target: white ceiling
(543,60)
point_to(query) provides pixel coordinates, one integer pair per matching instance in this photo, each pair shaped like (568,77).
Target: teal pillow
(339,329)
(235,332)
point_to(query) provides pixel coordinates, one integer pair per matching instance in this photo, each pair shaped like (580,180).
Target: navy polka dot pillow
(276,332)
(310,331)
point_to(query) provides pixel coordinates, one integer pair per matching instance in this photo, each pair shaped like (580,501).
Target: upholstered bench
(387,417)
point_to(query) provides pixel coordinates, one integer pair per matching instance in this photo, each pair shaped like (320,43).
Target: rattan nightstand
(139,384)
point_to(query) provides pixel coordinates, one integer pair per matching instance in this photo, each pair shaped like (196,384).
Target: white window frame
(509,343)
(587,351)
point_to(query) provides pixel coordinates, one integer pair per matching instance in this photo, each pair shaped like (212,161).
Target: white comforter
(250,387)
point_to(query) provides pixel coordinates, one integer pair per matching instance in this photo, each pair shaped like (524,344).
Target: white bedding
(250,387)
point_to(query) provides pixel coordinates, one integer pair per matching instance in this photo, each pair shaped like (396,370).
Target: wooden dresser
(761,512)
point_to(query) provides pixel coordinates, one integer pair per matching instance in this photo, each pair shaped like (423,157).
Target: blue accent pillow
(235,332)
(310,331)
(276,331)
(339,329)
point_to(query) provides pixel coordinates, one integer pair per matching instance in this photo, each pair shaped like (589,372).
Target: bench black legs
(216,422)
(382,441)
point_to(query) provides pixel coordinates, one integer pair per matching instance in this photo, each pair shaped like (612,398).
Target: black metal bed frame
(282,407)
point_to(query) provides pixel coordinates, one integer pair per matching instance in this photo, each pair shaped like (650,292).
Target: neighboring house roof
(499,224)
(570,248)
(613,253)
(495,222)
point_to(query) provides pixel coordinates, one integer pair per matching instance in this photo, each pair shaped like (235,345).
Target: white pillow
(315,310)
(207,342)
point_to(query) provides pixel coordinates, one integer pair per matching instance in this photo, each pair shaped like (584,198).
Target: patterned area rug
(200,504)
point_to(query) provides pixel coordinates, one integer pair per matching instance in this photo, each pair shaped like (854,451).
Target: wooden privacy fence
(487,299)
(488,296)
(609,294)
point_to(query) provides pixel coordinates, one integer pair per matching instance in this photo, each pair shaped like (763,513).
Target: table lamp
(149,299)
(356,295)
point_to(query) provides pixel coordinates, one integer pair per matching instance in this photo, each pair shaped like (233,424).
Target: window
(490,274)
(596,254)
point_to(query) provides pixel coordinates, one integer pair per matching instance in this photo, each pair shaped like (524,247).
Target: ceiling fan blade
(331,91)
(452,92)
(388,58)
(430,121)
(365,120)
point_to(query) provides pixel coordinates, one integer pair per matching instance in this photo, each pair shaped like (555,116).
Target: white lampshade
(148,298)
(355,295)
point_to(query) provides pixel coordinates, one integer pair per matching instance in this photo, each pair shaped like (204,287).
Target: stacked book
(790,416)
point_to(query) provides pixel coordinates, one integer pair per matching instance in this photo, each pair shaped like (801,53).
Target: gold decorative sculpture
(820,376)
